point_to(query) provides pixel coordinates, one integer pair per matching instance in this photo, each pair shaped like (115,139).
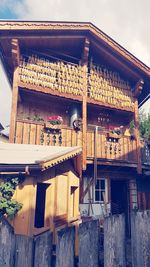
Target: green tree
(8,206)
(144,125)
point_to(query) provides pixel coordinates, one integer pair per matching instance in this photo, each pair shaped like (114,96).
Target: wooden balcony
(104,87)
(102,147)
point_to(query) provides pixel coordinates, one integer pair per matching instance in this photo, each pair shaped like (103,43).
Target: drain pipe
(95,153)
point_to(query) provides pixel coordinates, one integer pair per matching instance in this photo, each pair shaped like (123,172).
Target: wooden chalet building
(74,70)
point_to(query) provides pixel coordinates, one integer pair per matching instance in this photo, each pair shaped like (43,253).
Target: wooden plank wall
(124,150)
(24,251)
(18,250)
(65,248)
(140,236)
(114,241)
(7,244)
(89,244)
(32,133)
(43,250)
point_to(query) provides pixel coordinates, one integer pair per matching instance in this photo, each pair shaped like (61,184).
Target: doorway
(120,200)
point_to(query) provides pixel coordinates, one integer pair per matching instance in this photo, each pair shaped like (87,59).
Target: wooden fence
(23,251)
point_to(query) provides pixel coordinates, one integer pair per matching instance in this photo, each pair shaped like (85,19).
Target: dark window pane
(103,184)
(97,184)
(96,195)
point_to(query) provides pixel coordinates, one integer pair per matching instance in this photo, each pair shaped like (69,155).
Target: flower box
(48,125)
(114,135)
(55,120)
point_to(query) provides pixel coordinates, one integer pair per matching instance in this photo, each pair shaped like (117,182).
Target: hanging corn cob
(107,87)
(64,77)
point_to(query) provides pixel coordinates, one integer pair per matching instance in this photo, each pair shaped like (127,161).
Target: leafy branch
(8,206)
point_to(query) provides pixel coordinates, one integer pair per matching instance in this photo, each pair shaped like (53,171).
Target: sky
(127,22)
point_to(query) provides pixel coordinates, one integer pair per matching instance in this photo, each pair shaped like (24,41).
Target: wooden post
(140,238)
(7,244)
(16,60)
(89,244)
(65,247)
(84,63)
(14,107)
(24,251)
(15,52)
(114,241)
(43,250)
(137,136)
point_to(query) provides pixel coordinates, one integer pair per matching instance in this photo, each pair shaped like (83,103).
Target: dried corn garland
(103,85)
(107,87)
(65,78)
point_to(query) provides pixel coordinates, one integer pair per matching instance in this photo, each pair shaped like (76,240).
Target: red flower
(55,120)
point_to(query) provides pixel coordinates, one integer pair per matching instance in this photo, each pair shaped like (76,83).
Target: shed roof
(16,154)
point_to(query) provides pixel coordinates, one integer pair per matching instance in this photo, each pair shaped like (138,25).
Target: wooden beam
(119,62)
(139,87)
(137,136)
(14,107)
(84,63)
(46,90)
(15,52)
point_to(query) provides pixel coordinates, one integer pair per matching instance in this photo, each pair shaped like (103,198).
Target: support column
(137,136)
(16,60)
(84,63)
(137,92)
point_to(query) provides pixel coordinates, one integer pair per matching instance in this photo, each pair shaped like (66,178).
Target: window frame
(101,190)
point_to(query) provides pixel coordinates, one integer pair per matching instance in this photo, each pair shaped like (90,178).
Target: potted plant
(116,132)
(54,122)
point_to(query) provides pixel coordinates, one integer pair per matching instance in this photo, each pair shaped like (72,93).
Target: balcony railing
(103,147)
(145,151)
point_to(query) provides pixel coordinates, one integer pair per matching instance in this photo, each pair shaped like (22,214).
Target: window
(40,204)
(100,190)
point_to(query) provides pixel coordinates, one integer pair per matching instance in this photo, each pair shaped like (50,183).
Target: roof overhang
(35,157)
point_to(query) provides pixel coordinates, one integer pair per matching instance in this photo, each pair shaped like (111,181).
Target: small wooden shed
(50,188)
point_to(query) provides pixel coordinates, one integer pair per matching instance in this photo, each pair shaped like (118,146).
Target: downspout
(95,153)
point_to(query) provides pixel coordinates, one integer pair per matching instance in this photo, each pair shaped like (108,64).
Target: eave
(23,26)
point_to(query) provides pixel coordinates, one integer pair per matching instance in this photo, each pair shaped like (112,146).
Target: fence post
(89,244)
(24,251)
(7,244)
(43,250)
(114,241)
(65,247)
(140,238)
